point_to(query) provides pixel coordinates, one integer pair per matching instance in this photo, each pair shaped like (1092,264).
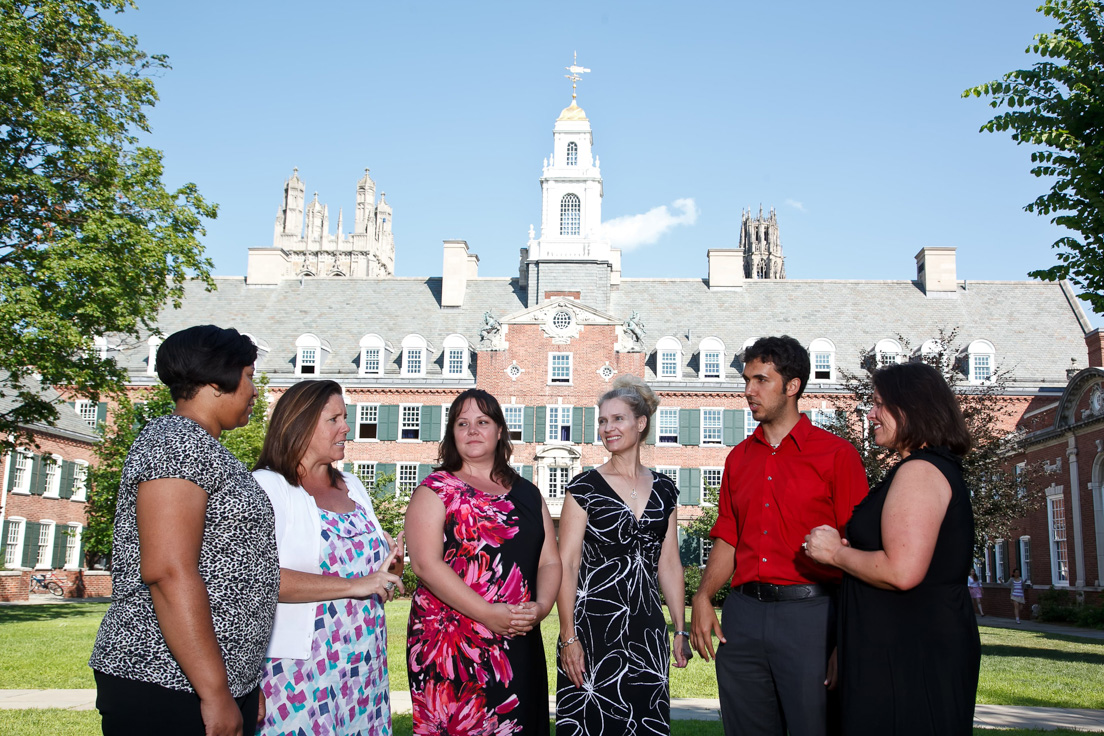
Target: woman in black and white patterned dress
(195,572)
(619,546)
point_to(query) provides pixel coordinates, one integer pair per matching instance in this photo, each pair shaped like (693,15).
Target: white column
(1098,524)
(1075,499)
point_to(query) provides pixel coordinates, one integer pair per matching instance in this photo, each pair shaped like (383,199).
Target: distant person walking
(775,663)
(974,585)
(1017,583)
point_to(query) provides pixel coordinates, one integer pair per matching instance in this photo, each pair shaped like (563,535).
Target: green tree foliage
(91,241)
(127,420)
(1001,493)
(1057,107)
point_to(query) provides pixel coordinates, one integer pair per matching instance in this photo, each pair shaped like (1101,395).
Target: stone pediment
(561,320)
(1082,400)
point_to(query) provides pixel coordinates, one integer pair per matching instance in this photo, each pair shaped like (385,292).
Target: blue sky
(844,117)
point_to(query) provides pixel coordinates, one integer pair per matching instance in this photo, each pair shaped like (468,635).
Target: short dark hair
(292,426)
(922,404)
(201,355)
(449,456)
(786,354)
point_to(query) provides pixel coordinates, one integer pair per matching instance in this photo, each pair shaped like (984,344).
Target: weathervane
(575,70)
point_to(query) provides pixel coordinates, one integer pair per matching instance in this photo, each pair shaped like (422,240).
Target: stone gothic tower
(762,246)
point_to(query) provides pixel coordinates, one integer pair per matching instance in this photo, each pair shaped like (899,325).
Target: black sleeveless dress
(908,660)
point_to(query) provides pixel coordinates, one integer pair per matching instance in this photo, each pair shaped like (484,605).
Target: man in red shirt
(787,478)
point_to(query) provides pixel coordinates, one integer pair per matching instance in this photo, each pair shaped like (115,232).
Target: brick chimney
(1094,341)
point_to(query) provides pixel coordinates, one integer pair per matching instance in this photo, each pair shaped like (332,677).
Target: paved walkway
(682,709)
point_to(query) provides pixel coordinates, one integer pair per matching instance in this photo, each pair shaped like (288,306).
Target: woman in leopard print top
(195,573)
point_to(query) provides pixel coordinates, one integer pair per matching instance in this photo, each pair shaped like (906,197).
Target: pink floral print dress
(465,680)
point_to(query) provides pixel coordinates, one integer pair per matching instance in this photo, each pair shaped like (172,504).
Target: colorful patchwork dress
(465,680)
(342,689)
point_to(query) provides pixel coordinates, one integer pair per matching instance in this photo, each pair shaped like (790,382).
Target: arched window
(981,354)
(153,342)
(887,351)
(669,357)
(711,352)
(456,355)
(372,355)
(308,355)
(572,154)
(414,355)
(569,214)
(823,354)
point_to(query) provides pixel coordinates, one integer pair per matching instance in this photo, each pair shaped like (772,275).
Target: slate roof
(68,422)
(1036,328)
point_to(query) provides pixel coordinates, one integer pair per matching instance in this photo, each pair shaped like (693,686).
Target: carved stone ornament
(514,371)
(606,372)
(561,321)
(492,335)
(1096,400)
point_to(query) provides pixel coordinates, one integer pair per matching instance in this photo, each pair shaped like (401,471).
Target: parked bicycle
(48,582)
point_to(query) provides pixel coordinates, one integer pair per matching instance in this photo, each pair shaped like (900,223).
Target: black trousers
(771,670)
(133,708)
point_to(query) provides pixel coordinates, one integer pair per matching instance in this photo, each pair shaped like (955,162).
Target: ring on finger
(389,586)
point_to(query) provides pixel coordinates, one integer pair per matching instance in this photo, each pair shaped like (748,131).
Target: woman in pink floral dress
(481,541)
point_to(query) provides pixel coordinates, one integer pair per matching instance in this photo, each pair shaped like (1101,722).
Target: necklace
(633,493)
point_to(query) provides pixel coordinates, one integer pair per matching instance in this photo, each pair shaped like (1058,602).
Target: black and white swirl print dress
(618,618)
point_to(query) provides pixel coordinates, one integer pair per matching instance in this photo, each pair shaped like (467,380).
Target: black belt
(770,593)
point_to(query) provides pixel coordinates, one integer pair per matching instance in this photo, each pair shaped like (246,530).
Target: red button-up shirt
(770,498)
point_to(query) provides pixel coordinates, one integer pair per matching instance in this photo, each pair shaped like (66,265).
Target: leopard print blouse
(237,560)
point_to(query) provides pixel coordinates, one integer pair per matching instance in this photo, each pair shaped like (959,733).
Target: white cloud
(796,205)
(630,231)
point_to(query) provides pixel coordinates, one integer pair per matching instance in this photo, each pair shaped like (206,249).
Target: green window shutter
(4,538)
(808,414)
(653,429)
(577,424)
(350,419)
(386,469)
(347,467)
(588,425)
(689,548)
(30,543)
(684,425)
(101,413)
(693,429)
(541,424)
(389,423)
(684,484)
(431,423)
(61,536)
(733,431)
(425,469)
(66,488)
(691,496)
(527,472)
(527,415)
(36,475)
(81,562)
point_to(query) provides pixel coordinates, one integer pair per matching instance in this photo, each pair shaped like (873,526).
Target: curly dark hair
(786,354)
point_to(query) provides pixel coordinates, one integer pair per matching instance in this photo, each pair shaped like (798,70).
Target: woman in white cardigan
(326,671)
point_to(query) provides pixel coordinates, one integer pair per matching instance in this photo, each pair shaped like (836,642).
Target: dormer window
(570,214)
(981,354)
(887,352)
(153,342)
(572,154)
(823,354)
(308,355)
(371,355)
(669,358)
(455,361)
(414,355)
(711,353)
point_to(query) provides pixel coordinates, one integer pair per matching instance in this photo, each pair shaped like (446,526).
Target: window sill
(368,439)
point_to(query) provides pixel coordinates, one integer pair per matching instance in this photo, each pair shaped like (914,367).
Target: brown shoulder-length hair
(449,456)
(292,426)
(924,407)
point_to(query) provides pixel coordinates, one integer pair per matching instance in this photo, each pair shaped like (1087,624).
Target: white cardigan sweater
(299,541)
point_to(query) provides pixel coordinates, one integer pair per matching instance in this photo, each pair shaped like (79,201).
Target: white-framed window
(711,478)
(153,343)
(981,360)
(100,347)
(987,567)
(570,214)
(1025,558)
(749,423)
(406,478)
(559,368)
(1001,569)
(72,546)
(559,423)
(372,352)
(1056,525)
(823,354)
(667,425)
(367,422)
(887,351)
(515,420)
(80,480)
(572,153)
(45,541)
(13,543)
(410,422)
(711,426)
(671,471)
(456,355)
(414,355)
(669,357)
(445,409)
(706,548)
(711,352)
(21,471)
(558,478)
(51,476)
(366,472)
(308,355)
(822,418)
(88,411)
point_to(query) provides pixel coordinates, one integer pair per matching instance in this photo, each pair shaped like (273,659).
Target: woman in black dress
(909,651)
(619,545)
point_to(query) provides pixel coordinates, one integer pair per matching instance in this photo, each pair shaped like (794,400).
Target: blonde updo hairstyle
(638,395)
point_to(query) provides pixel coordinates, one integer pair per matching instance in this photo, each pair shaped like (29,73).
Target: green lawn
(1029,668)
(48,646)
